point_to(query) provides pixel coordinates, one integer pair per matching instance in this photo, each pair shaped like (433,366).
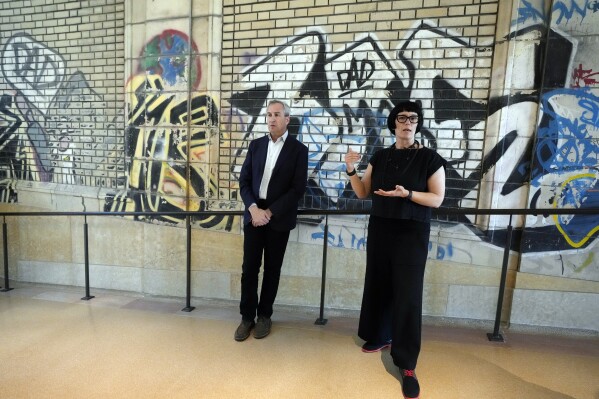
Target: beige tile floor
(119,345)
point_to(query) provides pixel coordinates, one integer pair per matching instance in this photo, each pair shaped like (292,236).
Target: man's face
(276,120)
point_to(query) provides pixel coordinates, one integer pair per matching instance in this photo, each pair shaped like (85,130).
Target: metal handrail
(494,336)
(302,211)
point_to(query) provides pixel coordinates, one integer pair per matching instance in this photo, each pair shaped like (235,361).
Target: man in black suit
(272,181)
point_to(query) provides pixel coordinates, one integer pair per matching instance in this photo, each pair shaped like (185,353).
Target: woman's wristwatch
(409,196)
(350,174)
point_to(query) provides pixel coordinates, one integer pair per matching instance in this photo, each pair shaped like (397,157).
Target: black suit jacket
(287,183)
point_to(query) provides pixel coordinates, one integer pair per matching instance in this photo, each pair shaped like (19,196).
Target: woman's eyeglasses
(404,119)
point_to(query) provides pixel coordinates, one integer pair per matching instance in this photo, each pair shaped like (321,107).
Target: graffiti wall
(55,127)
(530,143)
(513,110)
(171,124)
(563,162)
(73,116)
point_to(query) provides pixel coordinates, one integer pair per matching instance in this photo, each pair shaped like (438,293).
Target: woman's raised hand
(350,158)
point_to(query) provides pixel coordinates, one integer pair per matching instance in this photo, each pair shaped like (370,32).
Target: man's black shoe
(243,331)
(262,327)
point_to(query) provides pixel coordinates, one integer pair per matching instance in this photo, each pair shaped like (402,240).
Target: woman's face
(406,123)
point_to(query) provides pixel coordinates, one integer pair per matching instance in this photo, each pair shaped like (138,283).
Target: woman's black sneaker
(370,347)
(409,384)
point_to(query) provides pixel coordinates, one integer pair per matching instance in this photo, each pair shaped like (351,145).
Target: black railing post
(188,307)
(321,321)
(495,336)
(5,242)
(87,296)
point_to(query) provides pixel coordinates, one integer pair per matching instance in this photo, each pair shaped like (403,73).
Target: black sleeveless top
(410,168)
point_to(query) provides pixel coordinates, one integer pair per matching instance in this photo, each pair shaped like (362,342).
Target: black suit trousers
(259,241)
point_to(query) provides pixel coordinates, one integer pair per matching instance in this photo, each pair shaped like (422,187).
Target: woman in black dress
(404,181)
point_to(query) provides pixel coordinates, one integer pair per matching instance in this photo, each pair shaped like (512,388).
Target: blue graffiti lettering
(568,11)
(442,252)
(529,12)
(338,241)
(566,142)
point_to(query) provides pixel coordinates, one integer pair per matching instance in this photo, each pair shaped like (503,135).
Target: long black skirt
(396,253)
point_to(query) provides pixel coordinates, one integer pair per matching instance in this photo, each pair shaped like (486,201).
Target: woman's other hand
(399,191)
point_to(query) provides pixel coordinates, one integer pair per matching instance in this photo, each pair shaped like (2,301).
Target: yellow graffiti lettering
(575,244)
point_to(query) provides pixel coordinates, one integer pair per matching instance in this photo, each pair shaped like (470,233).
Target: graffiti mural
(53,126)
(341,99)
(565,169)
(531,144)
(563,163)
(169,128)
(545,154)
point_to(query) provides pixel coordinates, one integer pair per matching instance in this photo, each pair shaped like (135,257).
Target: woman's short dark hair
(405,106)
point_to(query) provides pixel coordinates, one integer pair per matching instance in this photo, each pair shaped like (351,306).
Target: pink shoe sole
(378,349)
